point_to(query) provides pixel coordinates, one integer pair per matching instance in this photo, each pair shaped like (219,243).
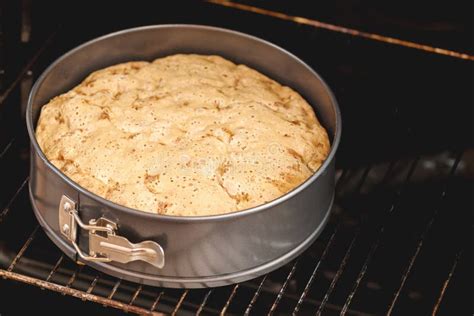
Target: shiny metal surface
(104,243)
(200,251)
(67,222)
(119,249)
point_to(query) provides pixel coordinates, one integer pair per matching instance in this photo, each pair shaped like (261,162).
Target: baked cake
(184,135)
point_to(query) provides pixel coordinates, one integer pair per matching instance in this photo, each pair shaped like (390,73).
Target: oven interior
(398,241)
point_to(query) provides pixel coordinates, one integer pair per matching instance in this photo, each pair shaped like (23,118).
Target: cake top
(184,135)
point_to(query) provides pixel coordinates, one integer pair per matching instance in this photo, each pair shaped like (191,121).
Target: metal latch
(104,244)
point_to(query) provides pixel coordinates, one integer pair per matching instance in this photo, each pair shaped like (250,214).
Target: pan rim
(175,218)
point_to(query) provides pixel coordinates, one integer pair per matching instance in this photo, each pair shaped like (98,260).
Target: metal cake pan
(172,251)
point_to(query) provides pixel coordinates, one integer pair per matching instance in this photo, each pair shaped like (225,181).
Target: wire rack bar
(375,245)
(421,240)
(344,30)
(255,295)
(305,292)
(204,302)
(55,268)
(7,207)
(231,296)
(23,249)
(74,275)
(338,274)
(283,288)
(75,293)
(7,147)
(156,301)
(315,270)
(115,288)
(445,284)
(27,67)
(135,295)
(93,283)
(309,300)
(180,302)
(344,260)
(409,268)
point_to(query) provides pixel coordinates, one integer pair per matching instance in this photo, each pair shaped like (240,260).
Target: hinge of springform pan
(104,243)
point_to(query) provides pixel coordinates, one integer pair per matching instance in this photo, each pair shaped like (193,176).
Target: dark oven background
(399,239)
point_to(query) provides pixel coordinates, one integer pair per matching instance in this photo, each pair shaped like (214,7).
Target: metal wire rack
(294,288)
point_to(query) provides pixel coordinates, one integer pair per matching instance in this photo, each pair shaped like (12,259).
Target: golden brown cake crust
(183,135)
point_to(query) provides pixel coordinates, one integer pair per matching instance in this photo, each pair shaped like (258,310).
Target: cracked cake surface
(183,135)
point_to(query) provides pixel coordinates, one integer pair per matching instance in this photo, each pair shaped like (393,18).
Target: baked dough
(183,135)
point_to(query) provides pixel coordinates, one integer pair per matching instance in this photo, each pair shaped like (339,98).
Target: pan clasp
(104,243)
